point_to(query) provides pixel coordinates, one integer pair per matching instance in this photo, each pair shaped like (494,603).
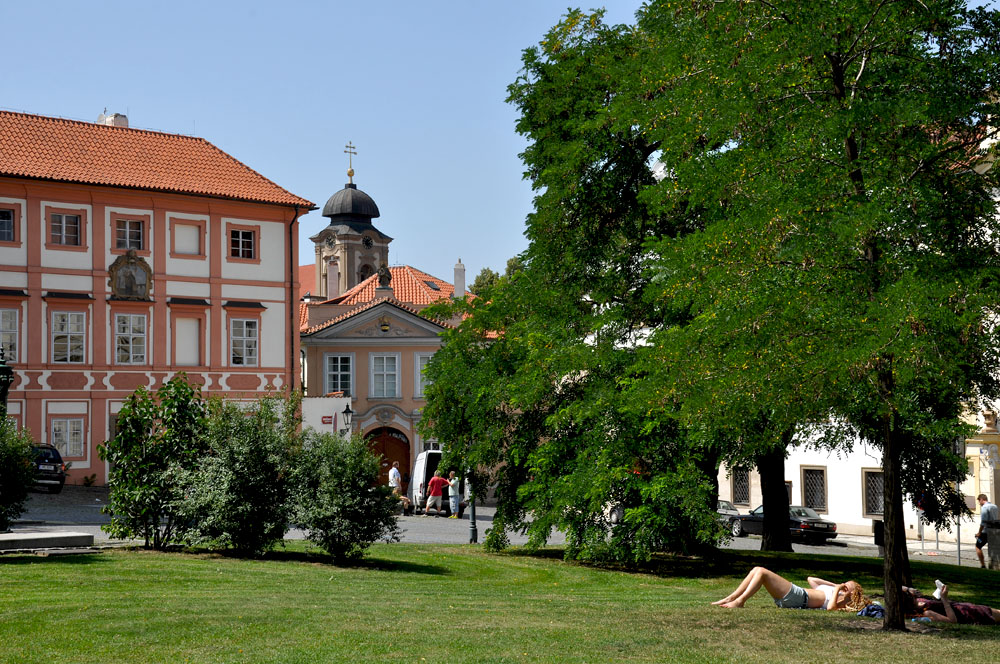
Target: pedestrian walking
(987,512)
(454,493)
(434,491)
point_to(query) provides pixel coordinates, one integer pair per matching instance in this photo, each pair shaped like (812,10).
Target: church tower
(350,249)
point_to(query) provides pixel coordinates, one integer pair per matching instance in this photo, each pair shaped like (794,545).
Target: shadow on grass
(11,559)
(320,558)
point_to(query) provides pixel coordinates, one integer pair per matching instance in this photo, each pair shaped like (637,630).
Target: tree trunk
(771,466)
(896,565)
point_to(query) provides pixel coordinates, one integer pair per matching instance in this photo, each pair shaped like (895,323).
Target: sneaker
(453,516)
(937,593)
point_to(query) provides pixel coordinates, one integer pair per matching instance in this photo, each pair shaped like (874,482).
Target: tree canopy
(751,218)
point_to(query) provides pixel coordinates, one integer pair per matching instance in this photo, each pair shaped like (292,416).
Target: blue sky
(419,88)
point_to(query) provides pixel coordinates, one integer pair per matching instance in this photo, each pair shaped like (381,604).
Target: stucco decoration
(383,415)
(130,277)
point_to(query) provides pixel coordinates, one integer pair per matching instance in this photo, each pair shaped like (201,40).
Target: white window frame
(69,334)
(245,247)
(66,432)
(246,341)
(60,237)
(327,383)
(7,216)
(419,382)
(131,336)
(372,373)
(9,334)
(129,234)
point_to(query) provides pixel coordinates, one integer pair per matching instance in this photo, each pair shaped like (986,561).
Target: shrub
(17,470)
(156,437)
(239,494)
(339,501)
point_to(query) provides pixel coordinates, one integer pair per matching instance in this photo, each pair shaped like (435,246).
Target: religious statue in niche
(130,277)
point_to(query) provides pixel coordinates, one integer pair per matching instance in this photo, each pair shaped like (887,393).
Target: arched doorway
(393,445)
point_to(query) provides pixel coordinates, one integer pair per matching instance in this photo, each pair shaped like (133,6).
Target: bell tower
(350,249)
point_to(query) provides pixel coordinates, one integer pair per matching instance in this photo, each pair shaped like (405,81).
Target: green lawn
(415,603)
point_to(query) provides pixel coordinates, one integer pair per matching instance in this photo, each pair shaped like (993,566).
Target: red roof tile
(46,148)
(408,285)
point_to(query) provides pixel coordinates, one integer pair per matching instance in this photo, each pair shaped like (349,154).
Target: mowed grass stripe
(412,603)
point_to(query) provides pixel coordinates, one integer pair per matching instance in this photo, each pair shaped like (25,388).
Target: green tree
(844,262)
(338,498)
(155,435)
(486,278)
(17,470)
(239,493)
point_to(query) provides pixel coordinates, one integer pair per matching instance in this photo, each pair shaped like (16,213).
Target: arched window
(365,272)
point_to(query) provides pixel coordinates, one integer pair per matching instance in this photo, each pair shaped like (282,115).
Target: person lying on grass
(820,594)
(944,610)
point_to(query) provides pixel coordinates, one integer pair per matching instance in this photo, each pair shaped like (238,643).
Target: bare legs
(758,577)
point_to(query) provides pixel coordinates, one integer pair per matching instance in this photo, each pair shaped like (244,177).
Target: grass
(432,603)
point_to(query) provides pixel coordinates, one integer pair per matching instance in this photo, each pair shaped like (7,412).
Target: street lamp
(473,531)
(348,418)
(6,378)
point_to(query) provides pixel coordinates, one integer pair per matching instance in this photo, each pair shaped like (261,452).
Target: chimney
(332,278)
(113,120)
(459,280)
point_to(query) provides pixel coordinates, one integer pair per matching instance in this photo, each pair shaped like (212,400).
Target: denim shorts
(795,598)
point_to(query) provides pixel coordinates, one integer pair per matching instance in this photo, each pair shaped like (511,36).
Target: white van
(423,470)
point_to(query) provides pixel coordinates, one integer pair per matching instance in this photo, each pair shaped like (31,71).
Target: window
(130,339)
(874,498)
(741,486)
(8,333)
(67,436)
(242,244)
(7,226)
(128,234)
(68,336)
(243,342)
(65,229)
(420,361)
(814,488)
(385,375)
(338,374)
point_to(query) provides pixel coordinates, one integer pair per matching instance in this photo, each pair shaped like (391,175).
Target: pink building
(127,256)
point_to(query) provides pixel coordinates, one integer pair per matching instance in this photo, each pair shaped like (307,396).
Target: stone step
(44,540)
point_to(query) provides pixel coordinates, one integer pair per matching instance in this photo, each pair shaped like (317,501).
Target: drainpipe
(293,310)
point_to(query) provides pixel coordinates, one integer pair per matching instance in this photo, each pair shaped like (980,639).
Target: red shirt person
(434,488)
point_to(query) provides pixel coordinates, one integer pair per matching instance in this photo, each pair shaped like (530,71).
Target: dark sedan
(803,523)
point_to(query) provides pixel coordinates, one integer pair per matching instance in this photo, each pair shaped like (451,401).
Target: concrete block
(44,540)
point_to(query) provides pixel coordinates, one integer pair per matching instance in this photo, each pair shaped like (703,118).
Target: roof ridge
(157,132)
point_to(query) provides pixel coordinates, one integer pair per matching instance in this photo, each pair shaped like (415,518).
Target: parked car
(727,512)
(50,471)
(803,522)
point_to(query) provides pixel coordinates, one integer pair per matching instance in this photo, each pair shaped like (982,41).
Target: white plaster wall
(274,329)
(188,289)
(76,260)
(314,408)
(255,293)
(273,253)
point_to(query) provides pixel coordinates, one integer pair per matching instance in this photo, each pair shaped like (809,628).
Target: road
(79,509)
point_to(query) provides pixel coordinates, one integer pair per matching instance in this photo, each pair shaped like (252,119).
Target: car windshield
(806,512)
(726,505)
(47,454)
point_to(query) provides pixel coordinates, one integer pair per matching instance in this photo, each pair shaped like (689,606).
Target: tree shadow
(82,558)
(324,559)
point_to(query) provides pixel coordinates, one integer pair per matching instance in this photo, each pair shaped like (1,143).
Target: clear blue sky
(419,88)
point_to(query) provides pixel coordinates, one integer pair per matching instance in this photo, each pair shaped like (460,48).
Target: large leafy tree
(846,261)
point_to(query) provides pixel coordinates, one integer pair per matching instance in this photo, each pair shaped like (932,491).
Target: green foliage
(339,501)
(486,278)
(17,470)
(238,495)
(155,437)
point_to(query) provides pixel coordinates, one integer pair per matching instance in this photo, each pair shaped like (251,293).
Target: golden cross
(350,151)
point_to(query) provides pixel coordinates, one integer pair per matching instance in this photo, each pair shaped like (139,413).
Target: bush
(156,437)
(239,494)
(339,501)
(17,471)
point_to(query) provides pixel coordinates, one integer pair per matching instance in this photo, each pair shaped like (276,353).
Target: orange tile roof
(365,306)
(35,146)
(307,279)
(408,285)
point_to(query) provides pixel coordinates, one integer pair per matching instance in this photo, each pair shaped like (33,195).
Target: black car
(803,523)
(50,471)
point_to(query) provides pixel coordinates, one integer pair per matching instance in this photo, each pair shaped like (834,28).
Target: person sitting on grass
(944,610)
(847,596)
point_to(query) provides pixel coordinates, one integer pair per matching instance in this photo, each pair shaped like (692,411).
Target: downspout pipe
(293,312)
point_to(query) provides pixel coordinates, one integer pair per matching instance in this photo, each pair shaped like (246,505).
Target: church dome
(350,203)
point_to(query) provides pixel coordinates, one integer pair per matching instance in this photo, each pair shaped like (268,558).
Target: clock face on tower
(367,242)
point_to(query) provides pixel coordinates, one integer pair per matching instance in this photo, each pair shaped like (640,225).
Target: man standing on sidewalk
(434,490)
(987,512)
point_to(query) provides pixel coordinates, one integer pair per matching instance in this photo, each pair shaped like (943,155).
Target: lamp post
(6,378)
(348,419)
(473,532)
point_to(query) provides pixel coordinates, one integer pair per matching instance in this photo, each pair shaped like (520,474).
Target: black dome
(350,202)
